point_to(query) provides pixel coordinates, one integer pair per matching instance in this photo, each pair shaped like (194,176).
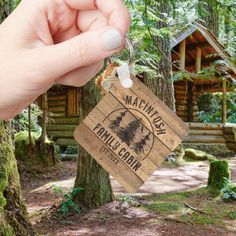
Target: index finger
(115,10)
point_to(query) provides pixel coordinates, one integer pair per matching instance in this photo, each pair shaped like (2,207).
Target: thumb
(84,49)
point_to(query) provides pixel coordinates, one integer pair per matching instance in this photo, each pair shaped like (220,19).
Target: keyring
(120,73)
(130,47)
(131,50)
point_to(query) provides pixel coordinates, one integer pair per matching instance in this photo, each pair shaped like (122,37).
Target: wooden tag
(130,133)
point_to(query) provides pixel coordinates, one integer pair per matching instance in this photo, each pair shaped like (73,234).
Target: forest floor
(172,202)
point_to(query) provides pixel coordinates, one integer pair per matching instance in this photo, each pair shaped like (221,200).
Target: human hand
(44,42)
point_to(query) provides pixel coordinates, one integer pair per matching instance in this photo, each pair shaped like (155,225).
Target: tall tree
(162,85)
(208,11)
(13,214)
(90,175)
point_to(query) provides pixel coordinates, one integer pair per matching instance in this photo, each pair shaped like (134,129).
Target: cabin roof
(196,35)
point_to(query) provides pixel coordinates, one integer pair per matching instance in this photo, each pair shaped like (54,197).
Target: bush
(228,192)
(210,108)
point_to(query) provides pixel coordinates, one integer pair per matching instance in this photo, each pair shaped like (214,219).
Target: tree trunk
(29,126)
(210,15)
(90,175)
(44,120)
(218,171)
(163,85)
(13,214)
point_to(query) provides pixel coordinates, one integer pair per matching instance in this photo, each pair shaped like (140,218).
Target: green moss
(13,214)
(232,215)
(6,230)
(175,196)
(164,207)
(24,137)
(201,219)
(6,164)
(218,171)
(219,150)
(193,154)
(35,155)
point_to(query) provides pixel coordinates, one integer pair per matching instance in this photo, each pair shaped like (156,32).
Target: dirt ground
(119,218)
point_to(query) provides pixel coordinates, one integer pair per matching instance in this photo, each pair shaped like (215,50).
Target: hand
(44,42)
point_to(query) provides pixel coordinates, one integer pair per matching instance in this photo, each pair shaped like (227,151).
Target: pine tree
(115,124)
(139,146)
(127,134)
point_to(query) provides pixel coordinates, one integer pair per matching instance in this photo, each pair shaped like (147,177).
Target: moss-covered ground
(197,207)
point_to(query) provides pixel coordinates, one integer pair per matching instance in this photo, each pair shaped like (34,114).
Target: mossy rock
(219,150)
(218,171)
(197,155)
(34,155)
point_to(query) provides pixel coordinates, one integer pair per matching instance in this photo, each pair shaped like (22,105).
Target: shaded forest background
(154,25)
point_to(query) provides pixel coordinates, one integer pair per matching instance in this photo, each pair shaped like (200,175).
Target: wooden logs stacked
(229,131)
(183,106)
(57,99)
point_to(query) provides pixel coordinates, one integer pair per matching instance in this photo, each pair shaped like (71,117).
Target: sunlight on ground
(64,184)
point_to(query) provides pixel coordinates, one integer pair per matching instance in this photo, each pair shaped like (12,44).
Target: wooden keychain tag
(130,132)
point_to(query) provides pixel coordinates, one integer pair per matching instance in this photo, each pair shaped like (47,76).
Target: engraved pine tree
(139,146)
(127,134)
(115,124)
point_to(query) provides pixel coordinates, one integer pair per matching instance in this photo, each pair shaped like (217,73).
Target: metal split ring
(130,46)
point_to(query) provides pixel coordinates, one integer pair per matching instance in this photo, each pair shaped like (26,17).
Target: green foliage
(228,192)
(232,215)
(129,199)
(21,121)
(68,202)
(57,190)
(144,31)
(146,16)
(174,206)
(210,108)
(22,137)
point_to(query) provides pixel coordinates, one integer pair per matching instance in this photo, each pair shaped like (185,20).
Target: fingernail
(112,39)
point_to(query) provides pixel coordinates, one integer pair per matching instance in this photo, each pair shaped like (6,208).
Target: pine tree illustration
(139,146)
(127,134)
(115,124)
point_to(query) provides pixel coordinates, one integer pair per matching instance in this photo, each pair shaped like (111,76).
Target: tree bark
(163,85)
(210,15)
(44,121)
(90,175)
(29,126)
(13,214)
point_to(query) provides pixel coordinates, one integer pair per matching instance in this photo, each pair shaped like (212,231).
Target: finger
(115,10)
(89,20)
(85,49)
(81,76)
(82,4)
(66,34)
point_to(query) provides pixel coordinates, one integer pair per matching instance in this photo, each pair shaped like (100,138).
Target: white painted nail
(112,39)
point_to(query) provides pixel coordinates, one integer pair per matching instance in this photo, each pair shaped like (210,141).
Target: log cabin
(193,49)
